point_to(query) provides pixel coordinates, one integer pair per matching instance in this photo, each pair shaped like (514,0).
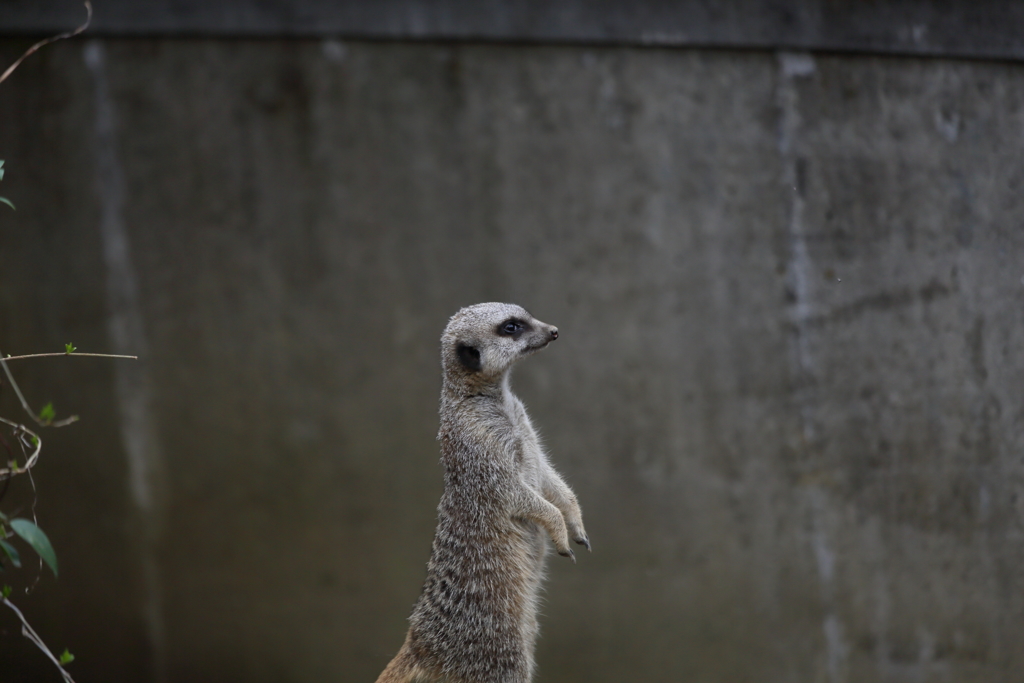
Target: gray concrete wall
(787,389)
(990,29)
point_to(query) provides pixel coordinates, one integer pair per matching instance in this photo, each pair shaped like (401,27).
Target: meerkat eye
(511,328)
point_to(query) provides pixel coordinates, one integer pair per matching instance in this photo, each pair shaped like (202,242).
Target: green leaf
(1,169)
(47,413)
(6,591)
(69,348)
(11,553)
(35,537)
(5,200)
(66,657)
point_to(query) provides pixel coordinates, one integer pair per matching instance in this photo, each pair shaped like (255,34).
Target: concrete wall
(787,389)
(989,29)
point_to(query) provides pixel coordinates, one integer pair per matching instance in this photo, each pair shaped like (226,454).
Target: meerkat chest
(529,454)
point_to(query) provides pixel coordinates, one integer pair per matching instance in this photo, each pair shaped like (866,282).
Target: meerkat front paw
(578,534)
(561,541)
(568,553)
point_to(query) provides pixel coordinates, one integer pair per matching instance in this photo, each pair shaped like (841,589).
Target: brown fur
(476,619)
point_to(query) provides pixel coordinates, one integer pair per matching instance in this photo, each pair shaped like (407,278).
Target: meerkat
(476,618)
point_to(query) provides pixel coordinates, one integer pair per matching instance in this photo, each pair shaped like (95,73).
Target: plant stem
(65,353)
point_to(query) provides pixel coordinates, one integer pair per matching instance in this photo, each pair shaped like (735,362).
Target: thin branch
(73,353)
(27,631)
(24,403)
(7,485)
(10,459)
(21,397)
(42,43)
(25,437)
(35,520)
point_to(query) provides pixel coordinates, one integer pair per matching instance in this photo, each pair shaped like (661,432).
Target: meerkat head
(482,342)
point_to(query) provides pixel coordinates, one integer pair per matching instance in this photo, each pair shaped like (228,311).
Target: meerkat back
(476,618)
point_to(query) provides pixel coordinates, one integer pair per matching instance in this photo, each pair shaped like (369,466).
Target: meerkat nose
(554,333)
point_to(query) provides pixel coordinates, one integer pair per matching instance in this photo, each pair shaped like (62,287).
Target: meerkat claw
(584,542)
(568,553)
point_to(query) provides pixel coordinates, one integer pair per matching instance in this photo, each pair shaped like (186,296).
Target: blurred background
(783,242)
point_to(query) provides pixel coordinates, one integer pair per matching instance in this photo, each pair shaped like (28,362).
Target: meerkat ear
(469,356)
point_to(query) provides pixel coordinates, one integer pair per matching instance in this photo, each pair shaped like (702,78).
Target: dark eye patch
(513,327)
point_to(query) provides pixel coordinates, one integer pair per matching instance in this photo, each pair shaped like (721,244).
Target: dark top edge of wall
(978,29)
